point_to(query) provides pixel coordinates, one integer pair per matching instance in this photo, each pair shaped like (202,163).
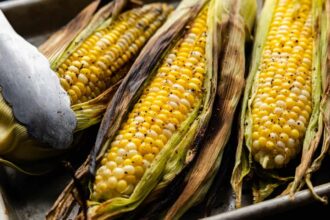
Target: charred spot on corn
(281,105)
(165,103)
(95,64)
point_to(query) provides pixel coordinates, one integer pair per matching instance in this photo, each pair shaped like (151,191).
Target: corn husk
(235,21)
(167,164)
(266,181)
(325,102)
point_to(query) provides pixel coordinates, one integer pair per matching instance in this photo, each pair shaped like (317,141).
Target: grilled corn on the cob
(164,105)
(280,114)
(282,99)
(94,66)
(97,63)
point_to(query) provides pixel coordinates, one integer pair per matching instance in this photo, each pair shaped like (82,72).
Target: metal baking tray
(30,197)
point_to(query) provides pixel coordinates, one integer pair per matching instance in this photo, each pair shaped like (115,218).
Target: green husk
(325,102)
(244,165)
(16,146)
(166,164)
(234,21)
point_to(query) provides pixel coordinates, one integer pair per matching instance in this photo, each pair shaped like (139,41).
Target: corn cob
(280,114)
(282,103)
(93,66)
(159,112)
(90,57)
(169,99)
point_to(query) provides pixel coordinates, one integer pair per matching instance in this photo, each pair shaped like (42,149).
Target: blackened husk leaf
(68,204)
(234,23)
(243,167)
(143,69)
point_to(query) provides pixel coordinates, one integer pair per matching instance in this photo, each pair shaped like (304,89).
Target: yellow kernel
(93,78)
(255,135)
(296,109)
(149,157)
(276,128)
(177,114)
(127,162)
(128,136)
(293,115)
(193,86)
(186,71)
(112,156)
(284,137)
(82,78)
(290,103)
(295,133)
(162,138)
(121,186)
(262,141)
(156,128)
(136,141)
(270,145)
(139,171)
(130,179)
(145,148)
(264,132)
(77,64)
(76,90)
(85,71)
(73,96)
(155,150)
(64,84)
(137,160)
(112,182)
(287,129)
(81,86)
(72,76)
(305,114)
